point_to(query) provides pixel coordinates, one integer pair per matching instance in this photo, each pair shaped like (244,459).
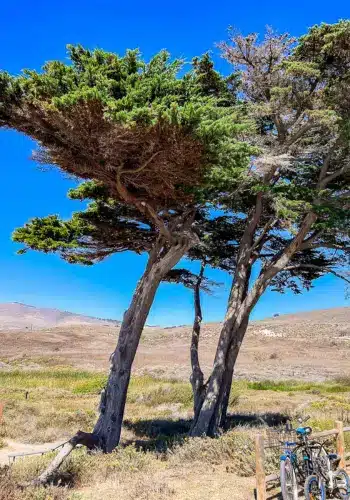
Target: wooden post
(260,469)
(340,442)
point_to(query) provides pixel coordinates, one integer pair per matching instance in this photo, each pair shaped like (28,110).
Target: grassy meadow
(155,460)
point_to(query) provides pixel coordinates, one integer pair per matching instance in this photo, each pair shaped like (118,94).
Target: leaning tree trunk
(108,426)
(237,311)
(228,375)
(197,377)
(225,392)
(205,422)
(106,433)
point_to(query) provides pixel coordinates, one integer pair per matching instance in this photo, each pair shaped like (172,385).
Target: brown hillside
(14,315)
(313,346)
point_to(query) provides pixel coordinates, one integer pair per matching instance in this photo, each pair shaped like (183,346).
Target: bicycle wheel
(289,485)
(342,484)
(315,488)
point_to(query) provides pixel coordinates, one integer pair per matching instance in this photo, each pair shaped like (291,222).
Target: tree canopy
(297,190)
(294,91)
(149,134)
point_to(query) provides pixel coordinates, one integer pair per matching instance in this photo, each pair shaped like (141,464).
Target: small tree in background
(155,141)
(297,192)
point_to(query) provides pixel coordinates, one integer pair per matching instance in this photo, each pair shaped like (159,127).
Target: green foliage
(102,229)
(50,234)
(103,113)
(296,92)
(197,140)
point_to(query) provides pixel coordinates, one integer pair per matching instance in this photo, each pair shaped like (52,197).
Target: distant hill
(311,345)
(332,315)
(17,316)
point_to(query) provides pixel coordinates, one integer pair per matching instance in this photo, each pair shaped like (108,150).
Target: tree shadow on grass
(159,434)
(270,419)
(162,434)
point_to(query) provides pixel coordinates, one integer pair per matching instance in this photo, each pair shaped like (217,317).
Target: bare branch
(308,242)
(335,246)
(333,176)
(141,167)
(295,137)
(325,167)
(269,225)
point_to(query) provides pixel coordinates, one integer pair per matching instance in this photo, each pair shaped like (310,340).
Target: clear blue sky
(33,32)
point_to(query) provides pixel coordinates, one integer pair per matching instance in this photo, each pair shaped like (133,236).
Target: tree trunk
(197,378)
(106,433)
(237,311)
(228,375)
(108,426)
(205,421)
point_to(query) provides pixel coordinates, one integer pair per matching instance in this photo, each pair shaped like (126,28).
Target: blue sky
(33,32)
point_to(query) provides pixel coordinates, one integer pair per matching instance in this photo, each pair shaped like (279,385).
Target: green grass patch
(52,379)
(336,386)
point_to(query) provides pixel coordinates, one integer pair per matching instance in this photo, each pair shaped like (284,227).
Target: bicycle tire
(345,495)
(315,488)
(288,480)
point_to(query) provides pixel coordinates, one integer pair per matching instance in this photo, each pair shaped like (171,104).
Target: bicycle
(327,478)
(288,480)
(306,462)
(294,469)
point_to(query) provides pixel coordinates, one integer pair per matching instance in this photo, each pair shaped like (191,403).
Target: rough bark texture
(197,377)
(228,375)
(106,433)
(207,420)
(239,309)
(108,426)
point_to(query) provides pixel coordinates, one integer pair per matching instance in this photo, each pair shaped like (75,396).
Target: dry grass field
(310,346)
(50,381)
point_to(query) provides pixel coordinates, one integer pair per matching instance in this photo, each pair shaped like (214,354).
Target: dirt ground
(311,346)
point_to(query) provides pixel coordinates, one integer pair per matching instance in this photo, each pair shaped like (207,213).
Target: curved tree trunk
(228,375)
(108,426)
(106,433)
(197,377)
(237,311)
(205,423)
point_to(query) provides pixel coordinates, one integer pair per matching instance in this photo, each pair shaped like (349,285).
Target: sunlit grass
(336,386)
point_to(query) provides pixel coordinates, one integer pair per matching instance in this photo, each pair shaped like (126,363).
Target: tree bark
(238,309)
(228,375)
(106,433)
(108,426)
(197,377)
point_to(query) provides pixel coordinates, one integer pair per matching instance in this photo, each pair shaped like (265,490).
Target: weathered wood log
(331,432)
(340,442)
(83,438)
(260,469)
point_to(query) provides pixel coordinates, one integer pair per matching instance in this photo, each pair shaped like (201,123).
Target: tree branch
(269,225)
(308,242)
(334,246)
(318,268)
(325,167)
(333,176)
(141,167)
(295,137)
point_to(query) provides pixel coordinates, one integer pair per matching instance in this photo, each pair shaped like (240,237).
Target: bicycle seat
(303,431)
